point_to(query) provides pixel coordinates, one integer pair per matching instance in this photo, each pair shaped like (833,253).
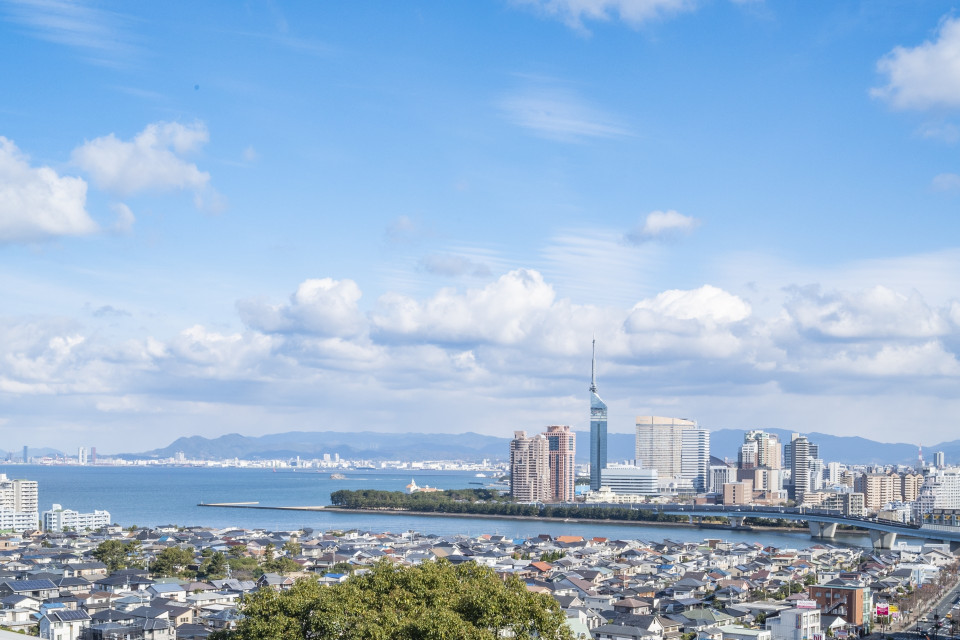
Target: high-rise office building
(562,448)
(659,444)
(765,446)
(26,451)
(598,427)
(81,456)
(800,471)
(529,468)
(939,460)
(675,447)
(695,458)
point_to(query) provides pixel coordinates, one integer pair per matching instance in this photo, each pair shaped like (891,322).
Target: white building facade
(59,519)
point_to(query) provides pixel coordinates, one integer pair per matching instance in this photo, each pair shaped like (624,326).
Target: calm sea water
(150,496)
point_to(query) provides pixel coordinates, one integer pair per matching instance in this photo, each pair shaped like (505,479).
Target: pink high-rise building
(562,447)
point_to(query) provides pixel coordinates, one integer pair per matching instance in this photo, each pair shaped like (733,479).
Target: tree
(292,547)
(214,566)
(117,554)
(171,561)
(431,601)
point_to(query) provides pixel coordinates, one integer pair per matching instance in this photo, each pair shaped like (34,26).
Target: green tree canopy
(214,566)
(117,554)
(171,561)
(431,601)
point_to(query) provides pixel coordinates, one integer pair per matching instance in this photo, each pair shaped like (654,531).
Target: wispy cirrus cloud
(103,36)
(559,114)
(574,13)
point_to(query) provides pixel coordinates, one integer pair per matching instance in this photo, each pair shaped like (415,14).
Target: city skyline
(261,219)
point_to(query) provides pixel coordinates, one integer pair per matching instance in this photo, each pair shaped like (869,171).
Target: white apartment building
(59,519)
(795,624)
(630,479)
(19,510)
(940,490)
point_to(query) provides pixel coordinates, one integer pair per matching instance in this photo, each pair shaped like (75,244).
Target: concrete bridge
(822,522)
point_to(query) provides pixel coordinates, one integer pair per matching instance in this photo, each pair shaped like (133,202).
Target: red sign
(883,610)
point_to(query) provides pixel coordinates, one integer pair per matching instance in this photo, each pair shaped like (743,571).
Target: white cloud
(878,312)
(152,161)
(560,115)
(503,312)
(924,76)
(102,35)
(943,131)
(708,304)
(320,306)
(929,359)
(946,182)
(125,218)
(445,264)
(660,224)
(633,12)
(36,203)
(698,322)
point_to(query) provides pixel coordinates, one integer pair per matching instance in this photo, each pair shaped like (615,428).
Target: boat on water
(480,475)
(337,476)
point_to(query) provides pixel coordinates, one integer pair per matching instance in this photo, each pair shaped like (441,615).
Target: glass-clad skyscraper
(598,427)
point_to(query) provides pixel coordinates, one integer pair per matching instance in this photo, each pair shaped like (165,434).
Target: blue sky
(412,216)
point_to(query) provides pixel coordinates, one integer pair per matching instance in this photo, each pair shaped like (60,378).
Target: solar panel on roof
(67,614)
(31,585)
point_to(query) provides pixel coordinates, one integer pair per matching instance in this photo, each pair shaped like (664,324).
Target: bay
(153,495)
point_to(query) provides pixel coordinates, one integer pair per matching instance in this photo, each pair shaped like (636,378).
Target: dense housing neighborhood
(172,582)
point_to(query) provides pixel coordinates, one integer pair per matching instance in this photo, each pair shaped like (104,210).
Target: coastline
(437,514)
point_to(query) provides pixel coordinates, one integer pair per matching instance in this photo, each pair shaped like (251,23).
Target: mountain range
(475,447)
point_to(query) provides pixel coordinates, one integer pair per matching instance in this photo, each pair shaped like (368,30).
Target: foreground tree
(432,601)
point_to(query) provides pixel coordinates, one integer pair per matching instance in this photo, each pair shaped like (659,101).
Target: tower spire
(593,368)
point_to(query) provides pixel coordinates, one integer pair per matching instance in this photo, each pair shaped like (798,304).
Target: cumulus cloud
(874,313)
(36,203)
(560,115)
(573,13)
(152,161)
(924,76)
(692,322)
(929,359)
(319,306)
(662,224)
(503,312)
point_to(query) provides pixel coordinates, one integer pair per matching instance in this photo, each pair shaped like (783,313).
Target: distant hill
(358,444)
(475,447)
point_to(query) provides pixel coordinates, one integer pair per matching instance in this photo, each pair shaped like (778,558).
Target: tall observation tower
(598,427)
